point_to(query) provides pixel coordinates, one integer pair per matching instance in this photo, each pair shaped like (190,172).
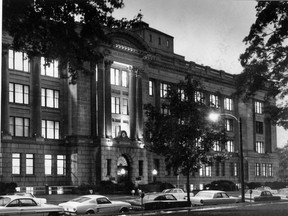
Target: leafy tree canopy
(68,30)
(183,134)
(283,163)
(265,60)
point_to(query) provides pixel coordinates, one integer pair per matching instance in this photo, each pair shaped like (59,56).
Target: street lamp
(154,173)
(214,117)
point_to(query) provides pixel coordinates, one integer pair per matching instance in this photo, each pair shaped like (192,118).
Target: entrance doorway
(123,175)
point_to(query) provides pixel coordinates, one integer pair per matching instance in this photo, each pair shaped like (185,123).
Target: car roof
(93,196)
(15,197)
(212,191)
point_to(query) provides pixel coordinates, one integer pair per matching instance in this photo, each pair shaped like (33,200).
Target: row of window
(19,93)
(214,100)
(29,167)
(230,146)
(20,127)
(20,61)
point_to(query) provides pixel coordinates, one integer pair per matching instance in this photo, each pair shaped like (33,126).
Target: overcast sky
(208,32)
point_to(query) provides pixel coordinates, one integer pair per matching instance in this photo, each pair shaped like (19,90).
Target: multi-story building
(57,133)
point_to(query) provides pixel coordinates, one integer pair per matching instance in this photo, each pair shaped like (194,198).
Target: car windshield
(80,199)
(204,194)
(4,201)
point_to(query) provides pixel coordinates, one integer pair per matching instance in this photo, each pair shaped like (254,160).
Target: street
(247,209)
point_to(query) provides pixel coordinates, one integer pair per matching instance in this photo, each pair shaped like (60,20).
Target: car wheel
(90,212)
(123,210)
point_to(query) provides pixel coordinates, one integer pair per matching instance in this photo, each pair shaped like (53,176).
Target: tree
(265,60)
(68,30)
(182,132)
(283,163)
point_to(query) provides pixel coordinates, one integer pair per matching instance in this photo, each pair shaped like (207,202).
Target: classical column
(139,102)
(5,95)
(108,118)
(94,128)
(101,98)
(132,103)
(36,97)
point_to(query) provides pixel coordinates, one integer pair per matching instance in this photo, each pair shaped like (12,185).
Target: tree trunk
(188,188)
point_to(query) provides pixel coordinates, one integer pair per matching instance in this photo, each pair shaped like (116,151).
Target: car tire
(123,210)
(90,212)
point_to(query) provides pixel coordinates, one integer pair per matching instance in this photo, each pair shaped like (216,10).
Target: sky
(208,32)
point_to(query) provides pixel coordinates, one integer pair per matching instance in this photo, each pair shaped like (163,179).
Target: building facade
(56,133)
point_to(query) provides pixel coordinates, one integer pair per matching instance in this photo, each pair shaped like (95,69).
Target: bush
(6,188)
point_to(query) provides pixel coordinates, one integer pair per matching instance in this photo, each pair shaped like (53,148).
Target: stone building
(59,134)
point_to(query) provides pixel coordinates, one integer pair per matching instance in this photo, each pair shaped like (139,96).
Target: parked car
(267,188)
(283,193)
(155,201)
(213,197)
(255,195)
(223,185)
(37,199)
(179,193)
(92,204)
(21,205)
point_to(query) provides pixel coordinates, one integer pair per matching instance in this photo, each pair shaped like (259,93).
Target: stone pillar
(5,96)
(94,125)
(101,99)
(36,98)
(139,102)
(132,103)
(108,118)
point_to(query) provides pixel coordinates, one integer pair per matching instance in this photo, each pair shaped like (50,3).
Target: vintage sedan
(179,193)
(213,197)
(92,204)
(37,199)
(20,205)
(260,195)
(155,201)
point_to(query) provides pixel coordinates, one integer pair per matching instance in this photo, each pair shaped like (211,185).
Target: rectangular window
(49,69)
(234,169)
(205,171)
(263,169)
(114,76)
(48,164)
(217,146)
(108,161)
(61,164)
(269,170)
(229,125)
(29,164)
(18,61)
(258,107)
(260,147)
(199,97)
(50,129)
(214,101)
(140,167)
(151,88)
(223,169)
(228,104)
(163,90)
(49,98)
(257,169)
(116,129)
(230,146)
(16,163)
(217,169)
(259,127)
(19,126)
(124,78)
(115,105)
(125,106)
(165,110)
(18,93)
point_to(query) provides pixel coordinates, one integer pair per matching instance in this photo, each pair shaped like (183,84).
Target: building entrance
(123,175)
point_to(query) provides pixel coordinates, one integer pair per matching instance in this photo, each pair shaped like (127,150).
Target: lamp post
(154,173)
(214,117)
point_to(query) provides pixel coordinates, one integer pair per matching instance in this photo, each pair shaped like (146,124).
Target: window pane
(19,126)
(49,98)
(26,94)
(43,97)
(50,129)
(11,92)
(44,128)
(11,57)
(48,164)
(18,61)
(18,93)
(25,62)
(56,99)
